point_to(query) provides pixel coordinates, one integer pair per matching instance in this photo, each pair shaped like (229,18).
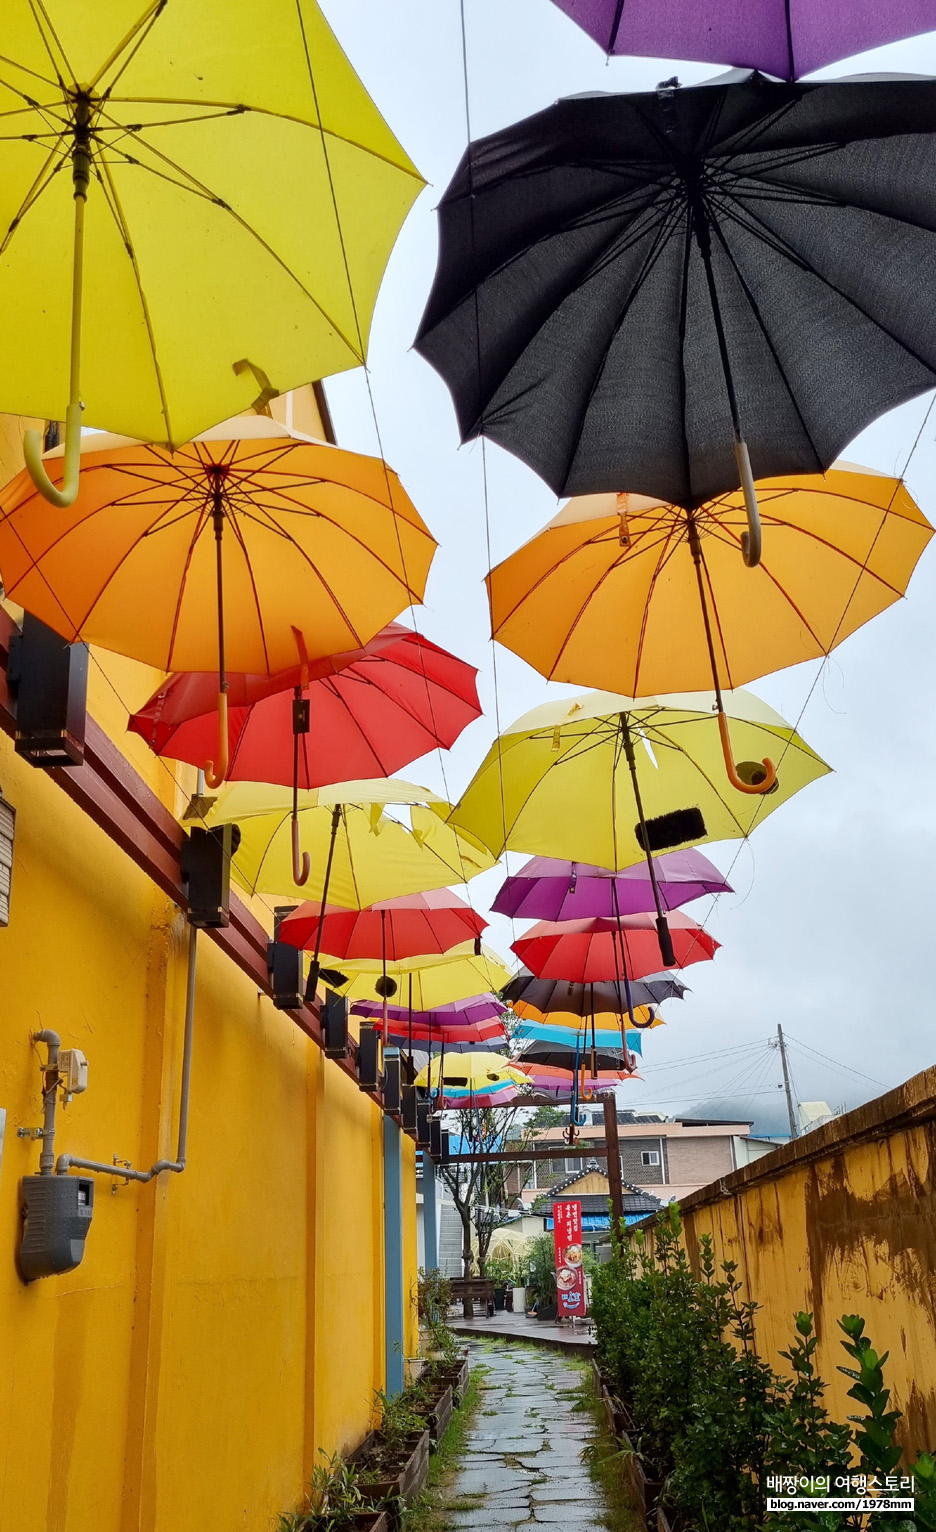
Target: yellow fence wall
(843,1221)
(224,1323)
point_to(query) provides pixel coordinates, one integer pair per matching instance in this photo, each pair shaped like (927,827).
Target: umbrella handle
(32,452)
(215,779)
(751,539)
(770,780)
(301,862)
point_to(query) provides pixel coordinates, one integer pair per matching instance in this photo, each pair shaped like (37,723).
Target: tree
(479,1189)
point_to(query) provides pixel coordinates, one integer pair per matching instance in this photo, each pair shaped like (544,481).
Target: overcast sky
(829,931)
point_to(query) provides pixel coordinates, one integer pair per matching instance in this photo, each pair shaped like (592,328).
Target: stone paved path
(522,1465)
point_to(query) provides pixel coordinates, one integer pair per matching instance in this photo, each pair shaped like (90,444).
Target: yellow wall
(843,1222)
(226,1323)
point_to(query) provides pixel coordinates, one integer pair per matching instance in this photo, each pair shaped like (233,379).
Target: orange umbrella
(251,547)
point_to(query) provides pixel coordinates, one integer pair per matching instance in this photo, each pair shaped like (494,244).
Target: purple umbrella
(548,889)
(756,34)
(458,1013)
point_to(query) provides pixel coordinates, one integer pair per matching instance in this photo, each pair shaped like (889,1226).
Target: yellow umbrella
(642,597)
(252,548)
(358,854)
(234,195)
(439,980)
(470,1072)
(606,779)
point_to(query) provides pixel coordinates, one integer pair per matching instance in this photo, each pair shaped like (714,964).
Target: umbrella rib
(36,7)
(201,521)
(660,238)
(242,544)
(113,202)
(195,187)
(782,247)
(132,41)
(239,109)
(25,69)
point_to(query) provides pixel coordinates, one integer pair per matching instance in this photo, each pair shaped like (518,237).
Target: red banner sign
(570,1274)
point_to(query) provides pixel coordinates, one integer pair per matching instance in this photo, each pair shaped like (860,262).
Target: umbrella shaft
(695,549)
(217,517)
(702,232)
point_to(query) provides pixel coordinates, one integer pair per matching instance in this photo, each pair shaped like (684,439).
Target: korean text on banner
(570,1273)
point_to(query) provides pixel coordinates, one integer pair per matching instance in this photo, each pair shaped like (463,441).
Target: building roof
(636,1200)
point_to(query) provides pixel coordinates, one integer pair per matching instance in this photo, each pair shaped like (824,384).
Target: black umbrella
(656,292)
(547,995)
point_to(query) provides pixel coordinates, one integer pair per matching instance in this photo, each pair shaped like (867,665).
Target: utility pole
(615,1186)
(786,1081)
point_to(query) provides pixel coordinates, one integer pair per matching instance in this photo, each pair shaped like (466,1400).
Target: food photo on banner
(570,1272)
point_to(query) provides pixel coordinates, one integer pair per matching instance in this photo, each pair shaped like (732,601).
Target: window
(649,1156)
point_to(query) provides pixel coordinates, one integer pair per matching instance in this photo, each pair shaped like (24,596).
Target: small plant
(541,1270)
(337,1497)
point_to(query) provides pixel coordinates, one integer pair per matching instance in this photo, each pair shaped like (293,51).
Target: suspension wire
(836,1064)
(374,416)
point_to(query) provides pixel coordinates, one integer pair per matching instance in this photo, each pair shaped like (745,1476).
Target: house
(667,1157)
(591,1188)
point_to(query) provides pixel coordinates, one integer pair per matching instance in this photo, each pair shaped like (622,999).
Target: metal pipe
(68,1162)
(51,1073)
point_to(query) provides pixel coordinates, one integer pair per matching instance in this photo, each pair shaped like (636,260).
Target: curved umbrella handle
(751,539)
(32,452)
(301,864)
(215,779)
(770,779)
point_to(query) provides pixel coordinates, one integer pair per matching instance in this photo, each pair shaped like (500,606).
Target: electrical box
(423,1109)
(206,872)
(368,1058)
(73,1071)
(445,1153)
(56,1219)
(335,1025)
(50,680)
(392,1087)
(410,1099)
(284,965)
(676,828)
(435,1139)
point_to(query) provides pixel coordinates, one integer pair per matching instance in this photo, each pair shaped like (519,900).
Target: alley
(523,1465)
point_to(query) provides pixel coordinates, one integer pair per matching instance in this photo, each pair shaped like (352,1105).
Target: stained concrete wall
(842,1221)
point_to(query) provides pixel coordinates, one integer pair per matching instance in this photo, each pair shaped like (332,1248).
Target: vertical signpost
(570,1273)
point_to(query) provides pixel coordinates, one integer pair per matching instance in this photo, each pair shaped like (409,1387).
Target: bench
(465,1290)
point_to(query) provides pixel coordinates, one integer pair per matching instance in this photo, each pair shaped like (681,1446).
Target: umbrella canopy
(560,779)
(532,997)
(485,1035)
(564,1083)
(547,1056)
(395,928)
(608,1029)
(370,711)
(374,856)
(595,950)
(664,291)
(774,35)
(627,592)
(252,547)
(475,1010)
(474,1073)
(548,889)
(435,980)
(234,193)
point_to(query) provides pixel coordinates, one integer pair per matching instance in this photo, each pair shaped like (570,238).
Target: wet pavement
(522,1464)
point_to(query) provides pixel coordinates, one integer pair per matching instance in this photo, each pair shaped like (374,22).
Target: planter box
(644,1489)
(410,1479)
(372,1521)
(458,1376)
(549,1312)
(440,1415)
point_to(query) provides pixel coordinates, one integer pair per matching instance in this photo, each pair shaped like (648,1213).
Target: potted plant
(541,1285)
(518,1278)
(338,1501)
(498,1271)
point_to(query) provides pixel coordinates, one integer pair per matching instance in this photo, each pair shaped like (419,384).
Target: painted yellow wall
(843,1222)
(226,1323)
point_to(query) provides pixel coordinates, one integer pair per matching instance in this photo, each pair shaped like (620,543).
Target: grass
(429,1512)
(602,1458)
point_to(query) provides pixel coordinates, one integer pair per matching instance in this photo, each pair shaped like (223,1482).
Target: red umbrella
(595,951)
(396,928)
(365,713)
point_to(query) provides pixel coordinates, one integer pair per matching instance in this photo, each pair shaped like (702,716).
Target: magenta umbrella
(548,889)
(772,35)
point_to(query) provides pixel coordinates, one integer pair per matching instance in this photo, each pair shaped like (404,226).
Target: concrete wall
(843,1221)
